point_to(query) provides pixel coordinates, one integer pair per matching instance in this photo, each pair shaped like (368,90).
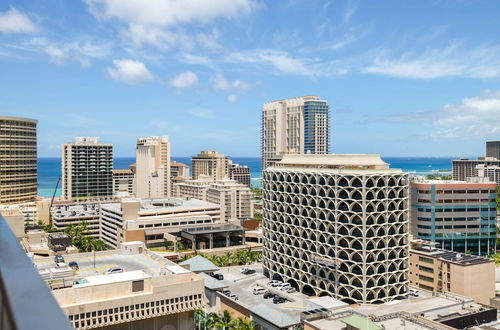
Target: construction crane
(52,200)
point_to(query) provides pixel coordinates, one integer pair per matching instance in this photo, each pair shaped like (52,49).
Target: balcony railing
(25,301)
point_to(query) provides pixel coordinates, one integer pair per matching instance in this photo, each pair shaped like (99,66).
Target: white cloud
(455,60)
(201,113)
(14,21)
(130,72)
(196,60)
(184,80)
(152,21)
(232,98)
(219,83)
(241,85)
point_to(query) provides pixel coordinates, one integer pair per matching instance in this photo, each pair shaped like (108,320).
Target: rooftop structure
(150,291)
(214,236)
(147,220)
(74,214)
(199,264)
(86,169)
(297,125)
(458,215)
(337,225)
(18,150)
(447,271)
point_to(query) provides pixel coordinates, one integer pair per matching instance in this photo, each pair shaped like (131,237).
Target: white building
(297,125)
(123,182)
(152,173)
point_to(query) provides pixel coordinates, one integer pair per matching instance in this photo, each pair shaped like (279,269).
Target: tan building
(211,163)
(150,292)
(15,220)
(147,220)
(179,170)
(123,182)
(86,169)
(464,168)
(239,173)
(18,147)
(234,198)
(447,271)
(297,125)
(64,215)
(152,173)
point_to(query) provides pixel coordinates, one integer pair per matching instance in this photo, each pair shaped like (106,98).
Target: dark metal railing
(26,303)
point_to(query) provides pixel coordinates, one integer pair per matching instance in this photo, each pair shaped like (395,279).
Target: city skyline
(400,80)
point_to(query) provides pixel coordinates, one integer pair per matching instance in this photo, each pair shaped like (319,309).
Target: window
(426,269)
(425,259)
(426,278)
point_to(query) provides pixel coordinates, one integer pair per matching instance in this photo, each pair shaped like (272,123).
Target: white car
(414,292)
(114,270)
(258,290)
(274,283)
(233,296)
(284,285)
(289,289)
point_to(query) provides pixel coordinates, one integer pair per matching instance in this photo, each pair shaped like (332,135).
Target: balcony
(25,301)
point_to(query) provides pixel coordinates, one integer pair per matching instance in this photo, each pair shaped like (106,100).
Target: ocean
(49,169)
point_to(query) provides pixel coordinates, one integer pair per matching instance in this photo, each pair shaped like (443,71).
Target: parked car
(58,259)
(274,283)
(258,290)
(226,292)
(268,295)
(414,292)
(278,300)
(289,289)
(284,285)
(233,296)
(244,270)
(74,265)
(114,270)
(217,276)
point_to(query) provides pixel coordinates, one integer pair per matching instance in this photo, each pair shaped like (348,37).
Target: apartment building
(234,198)
(239,173)
(18,150)
(493,149)
(123,182)
(151,293)
(179,170)
(64,215)
(152,170)
(464,168)
(458,215)
(87,169)
(337,225)
(492,172)
(442,271)
(297,125)
(147,220)
(211,163)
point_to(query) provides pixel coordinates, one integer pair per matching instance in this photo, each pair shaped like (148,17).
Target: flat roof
(178,164)
(123,171)
(217,228)
(113,278)
(162,205)
(334,160)
(18,119)
(451,256)
(360,322)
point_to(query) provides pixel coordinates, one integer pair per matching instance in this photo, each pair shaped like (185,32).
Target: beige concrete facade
(14,219)
(294,126)
(147,220)
(239,173)
(152,172)
(465,168)
(86,169)
(337,225)
(18,160)
(211,163)
(123,182)
(447,271)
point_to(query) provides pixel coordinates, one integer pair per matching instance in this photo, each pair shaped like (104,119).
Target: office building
(152,171)
(458,215)
(87,169)
(440,270)
(123,182)
(239,173)
(297,125)
(493,149)
(337,225)
(150,293)
(18,147)
(234,198)
(464,168)
(147,220)
(211,163)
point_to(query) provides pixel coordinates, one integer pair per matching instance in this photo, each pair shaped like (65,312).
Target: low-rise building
(64,215)
(149,292)
(439,270)
(123,182)
(239,173)
(458,215)
(147,220)
(179,170)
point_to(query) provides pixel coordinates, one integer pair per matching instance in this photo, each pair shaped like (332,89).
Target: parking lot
(104,261)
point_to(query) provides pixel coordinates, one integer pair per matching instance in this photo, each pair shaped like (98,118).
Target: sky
(403,78)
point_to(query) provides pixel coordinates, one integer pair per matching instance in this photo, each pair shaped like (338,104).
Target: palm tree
(240,257)
(244,324)
(225,321)
(215,260)
(211,321)
(228,256)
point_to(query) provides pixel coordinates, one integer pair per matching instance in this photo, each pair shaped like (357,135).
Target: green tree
(49,228)
(244,324)
(240,257)
(224,321)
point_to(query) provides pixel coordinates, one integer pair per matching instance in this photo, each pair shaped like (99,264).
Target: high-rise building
(87,168)
(239,173)
(493,149)
(211,163)
(492,172)
(458,215)
(297,125)
(18,177)
(464,168)
(337,225)
(152,173)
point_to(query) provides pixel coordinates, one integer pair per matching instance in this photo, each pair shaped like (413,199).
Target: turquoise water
(49,169)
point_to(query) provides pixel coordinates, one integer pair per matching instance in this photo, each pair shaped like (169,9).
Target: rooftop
(76,210)
(213,229)
(178,164)
(168,205)
(200,264)
(122,171)
(452,257)
(360,322)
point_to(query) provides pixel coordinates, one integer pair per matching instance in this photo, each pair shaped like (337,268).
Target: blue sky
(403,78)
